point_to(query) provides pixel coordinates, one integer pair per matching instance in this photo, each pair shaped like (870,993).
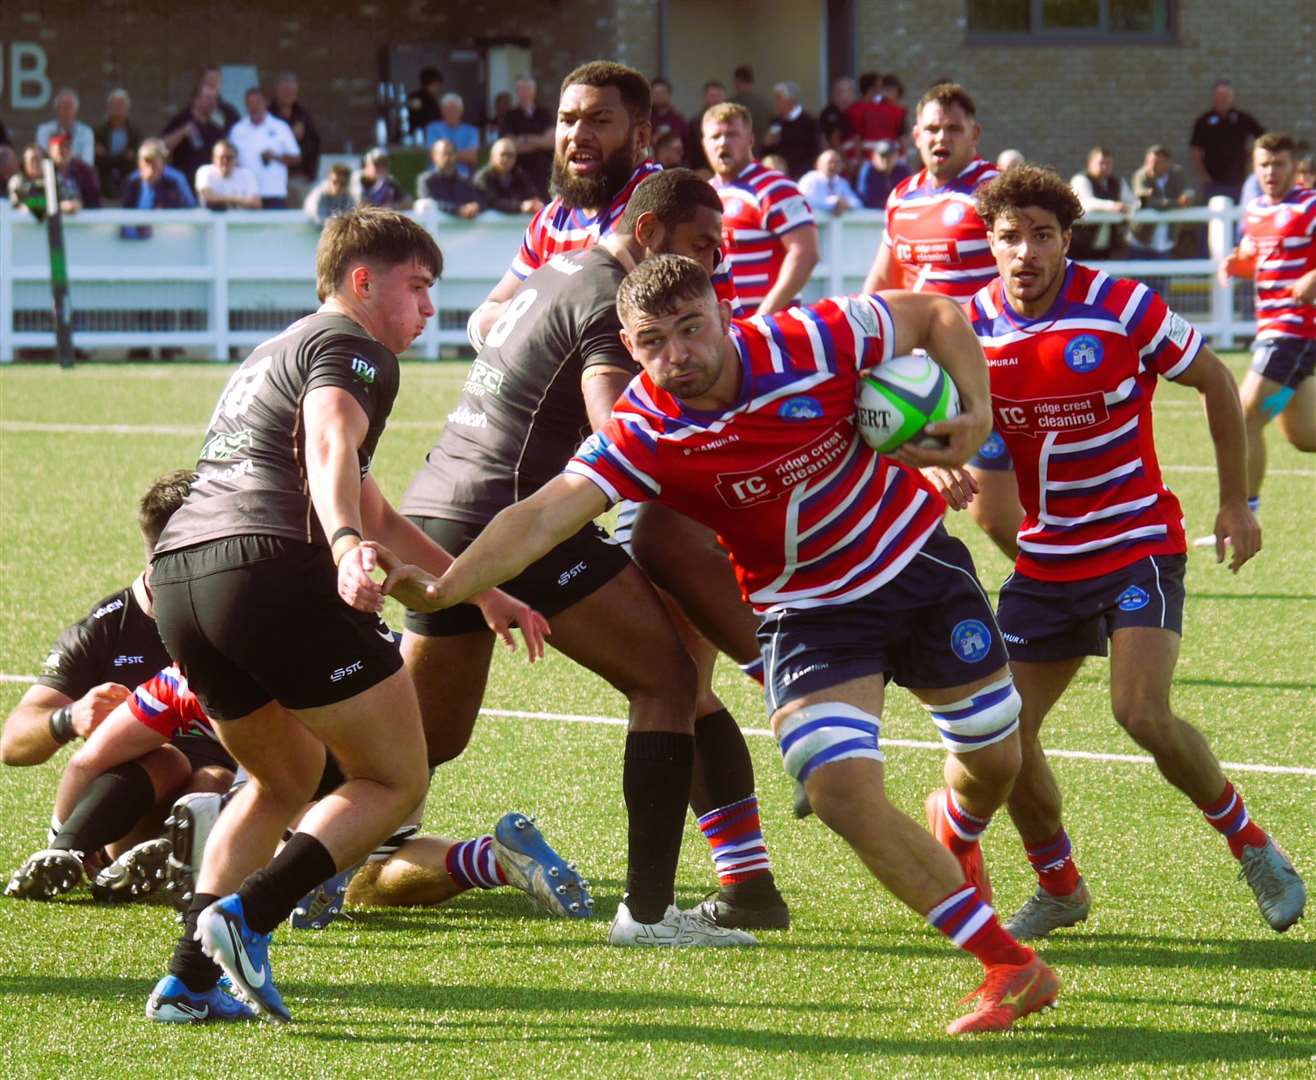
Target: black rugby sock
(656,784)
(197,971)
(723,771)
(269,895)
(112,804)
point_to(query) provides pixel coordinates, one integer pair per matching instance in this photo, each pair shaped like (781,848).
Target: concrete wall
(1053,102)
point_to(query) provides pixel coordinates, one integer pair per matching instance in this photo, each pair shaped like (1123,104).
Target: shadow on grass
(562,1015)
(1160,951)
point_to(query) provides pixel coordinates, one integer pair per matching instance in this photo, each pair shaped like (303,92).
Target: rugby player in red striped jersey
(748,426)
(1074,356)
(1278,250)
(935,242)
(767,226)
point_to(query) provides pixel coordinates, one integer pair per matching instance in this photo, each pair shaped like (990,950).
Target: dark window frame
(1097,37)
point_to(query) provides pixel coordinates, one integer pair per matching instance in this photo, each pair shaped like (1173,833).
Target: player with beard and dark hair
(550,369)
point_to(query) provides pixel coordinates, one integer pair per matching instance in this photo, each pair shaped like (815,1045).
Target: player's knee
(213,778)
(821,735)
(670,675)
(1147,722)
(988,716)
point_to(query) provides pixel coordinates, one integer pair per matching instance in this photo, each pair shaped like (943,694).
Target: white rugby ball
(898,398)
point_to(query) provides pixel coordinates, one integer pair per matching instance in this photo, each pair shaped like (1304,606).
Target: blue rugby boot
(226,938)
(530,865)
(171,1002)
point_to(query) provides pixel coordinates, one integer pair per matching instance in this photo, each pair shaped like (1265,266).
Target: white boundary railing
(213,282)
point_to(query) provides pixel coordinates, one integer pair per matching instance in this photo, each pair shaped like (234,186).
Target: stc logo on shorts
(1084,353)
(1132,599)
(971,640)
(800,408)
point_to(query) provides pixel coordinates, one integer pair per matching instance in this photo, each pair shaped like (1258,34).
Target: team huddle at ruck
(654,312)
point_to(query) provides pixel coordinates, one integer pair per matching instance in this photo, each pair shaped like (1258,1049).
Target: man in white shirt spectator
(1101,191)
(266,146)
(224,184)
(66,122)
(827,190)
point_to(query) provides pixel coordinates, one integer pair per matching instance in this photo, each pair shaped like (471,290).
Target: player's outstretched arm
(409,545)
(1234,522)
(28,737)
(938,325)
(515,538)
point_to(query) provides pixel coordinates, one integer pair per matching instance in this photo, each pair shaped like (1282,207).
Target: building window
(1091,21)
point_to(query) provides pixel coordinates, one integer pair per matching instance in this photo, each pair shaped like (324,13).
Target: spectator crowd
(850,156)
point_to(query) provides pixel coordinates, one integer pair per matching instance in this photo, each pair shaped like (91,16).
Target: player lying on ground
(263,594)
(551,367)
(153,747)
(748,426)
(1101,549)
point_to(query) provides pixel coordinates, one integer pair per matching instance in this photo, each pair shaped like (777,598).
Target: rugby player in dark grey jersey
(551,367)
(263,594)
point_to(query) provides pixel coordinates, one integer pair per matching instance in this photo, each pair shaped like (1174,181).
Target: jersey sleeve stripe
(576,467)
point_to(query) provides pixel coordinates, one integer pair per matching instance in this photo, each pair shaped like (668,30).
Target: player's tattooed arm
(1234,522)
(601,385)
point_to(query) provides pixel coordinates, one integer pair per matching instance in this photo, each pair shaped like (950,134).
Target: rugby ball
(898,398)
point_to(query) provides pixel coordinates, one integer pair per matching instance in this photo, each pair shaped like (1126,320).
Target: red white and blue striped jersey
(936,235)
(759,207)
(555,229)
(166,705)
(1282,236)
(1071,397)
(810,514)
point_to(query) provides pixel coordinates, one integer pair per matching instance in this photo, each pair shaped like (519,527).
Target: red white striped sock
(1229,817)
(471,864)
(735,835)
(969,921)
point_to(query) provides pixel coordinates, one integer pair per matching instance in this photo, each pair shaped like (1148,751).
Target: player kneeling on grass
(151,747)
(1074,357)
(748,426)
(263,594)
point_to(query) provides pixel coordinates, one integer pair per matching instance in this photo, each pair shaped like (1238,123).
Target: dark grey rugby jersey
(521,414)
(251,476)
(116,642)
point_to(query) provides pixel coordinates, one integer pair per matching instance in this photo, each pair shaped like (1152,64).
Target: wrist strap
(61,725)
(345,530)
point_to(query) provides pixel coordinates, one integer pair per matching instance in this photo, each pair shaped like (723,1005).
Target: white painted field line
(42,427)
(911,744)
(914,744)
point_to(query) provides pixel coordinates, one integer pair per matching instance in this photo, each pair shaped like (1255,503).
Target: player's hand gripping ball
(899,398)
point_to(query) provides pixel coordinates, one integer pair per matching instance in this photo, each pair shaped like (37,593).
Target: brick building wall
(154,50)
(1054,102)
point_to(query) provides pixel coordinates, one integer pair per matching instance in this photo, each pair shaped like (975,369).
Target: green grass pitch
(1174,973)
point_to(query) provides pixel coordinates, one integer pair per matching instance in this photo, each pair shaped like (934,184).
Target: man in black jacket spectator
(75,171)
(1220,141)
(423,102)
(191,134)
(793,133)
(450,191)
(531,125)
(504,184)
(117,141)
(293,113)
(151,188)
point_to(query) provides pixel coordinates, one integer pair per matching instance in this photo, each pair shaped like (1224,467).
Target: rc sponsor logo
(1084,353)
(363,371)
(971,640)
(775,478)
(1038,416)
(484,379)
(1133,599)
(800,408)
(339,674)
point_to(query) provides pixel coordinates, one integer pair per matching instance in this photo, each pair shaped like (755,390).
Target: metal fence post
(218,246)
(6,285)
(1219,243)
